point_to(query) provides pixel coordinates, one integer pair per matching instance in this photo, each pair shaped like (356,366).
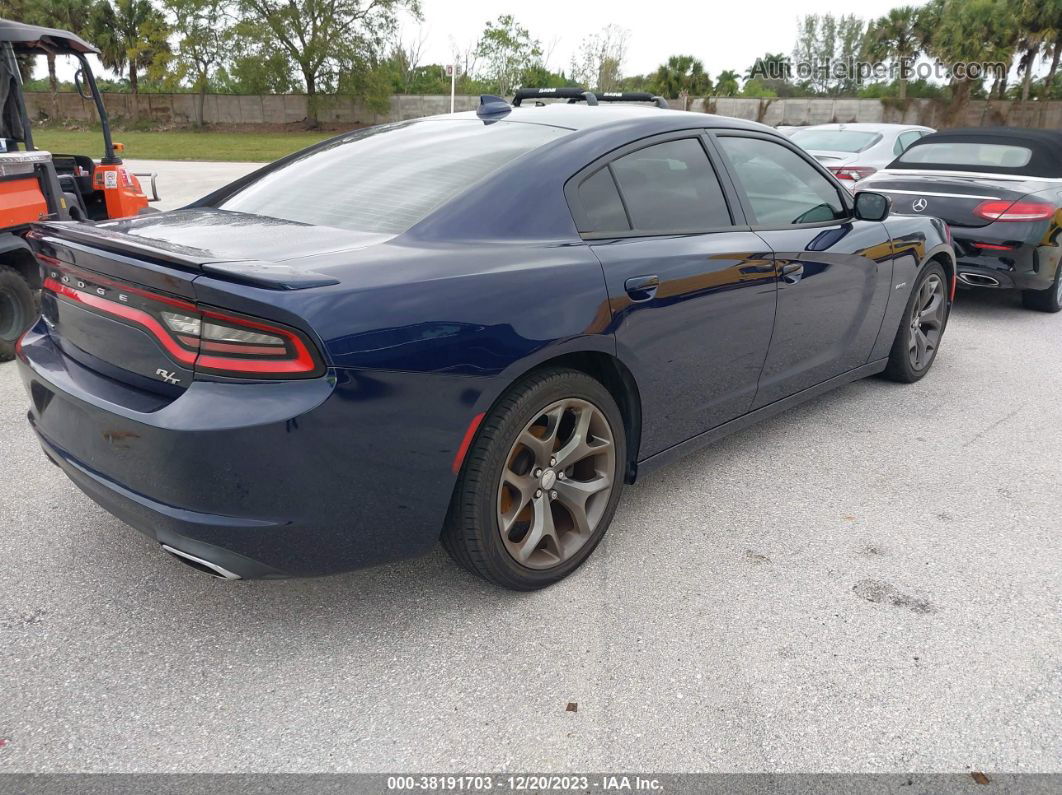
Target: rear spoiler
(84,236)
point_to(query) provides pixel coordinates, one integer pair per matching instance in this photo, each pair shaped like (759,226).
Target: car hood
(220,235)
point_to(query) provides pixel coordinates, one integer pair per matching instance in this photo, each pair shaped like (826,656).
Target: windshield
(976,155)
(385,179)
(835,140)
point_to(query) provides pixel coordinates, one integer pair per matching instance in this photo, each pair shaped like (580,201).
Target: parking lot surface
(869,582)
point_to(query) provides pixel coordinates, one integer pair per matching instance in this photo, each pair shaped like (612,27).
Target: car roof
(578,116)
(34,38)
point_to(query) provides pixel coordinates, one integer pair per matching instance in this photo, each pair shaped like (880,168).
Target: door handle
(641,288)
(792,272)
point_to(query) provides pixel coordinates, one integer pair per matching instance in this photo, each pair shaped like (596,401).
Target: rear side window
(671,186)
(386,179)
(904,140)
(783,189)
(602,204)
(968,154)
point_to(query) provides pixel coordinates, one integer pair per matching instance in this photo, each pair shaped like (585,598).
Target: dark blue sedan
(476,327)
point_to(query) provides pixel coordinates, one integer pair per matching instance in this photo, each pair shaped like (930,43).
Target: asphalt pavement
(869,582)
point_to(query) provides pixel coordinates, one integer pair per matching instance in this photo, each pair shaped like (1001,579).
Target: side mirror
(870,206)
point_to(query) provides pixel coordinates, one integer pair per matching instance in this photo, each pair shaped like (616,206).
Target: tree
(1052,16)
(682,74)
(505,52)
(896,37)
(726,85)
(131,36)
(322,37)
(1039,26)
(205,30)
(958,32)
(598,63)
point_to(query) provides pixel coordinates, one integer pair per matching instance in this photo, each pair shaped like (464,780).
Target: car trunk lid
(124,304)
(952,198)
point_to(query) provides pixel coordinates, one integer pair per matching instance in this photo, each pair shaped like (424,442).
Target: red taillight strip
(466,442)
(993,246)
(302,363)
(1016,211)
(125,312)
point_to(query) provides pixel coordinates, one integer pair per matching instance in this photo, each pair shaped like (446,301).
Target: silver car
(855,151)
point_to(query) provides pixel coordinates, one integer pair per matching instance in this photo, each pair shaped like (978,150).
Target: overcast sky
(728,35)
(723,35)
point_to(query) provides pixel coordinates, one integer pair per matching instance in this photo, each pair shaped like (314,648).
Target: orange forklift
(37,186)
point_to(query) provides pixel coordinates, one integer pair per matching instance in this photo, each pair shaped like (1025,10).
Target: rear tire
(555,514)
(18,309)
(921,328)
(1049,300)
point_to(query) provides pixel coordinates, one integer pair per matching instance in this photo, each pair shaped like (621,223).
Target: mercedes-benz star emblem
(919,205)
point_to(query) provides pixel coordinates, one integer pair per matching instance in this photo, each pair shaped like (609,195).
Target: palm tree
(896,37)
(65,15)
(682,74)
(726,85)
(131,36)
(1042,22)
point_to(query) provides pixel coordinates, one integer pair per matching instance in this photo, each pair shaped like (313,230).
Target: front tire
(1049,300)
(541,482)
(924,319)
(18,308)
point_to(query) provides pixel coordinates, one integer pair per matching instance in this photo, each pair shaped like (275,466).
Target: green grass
(181,144)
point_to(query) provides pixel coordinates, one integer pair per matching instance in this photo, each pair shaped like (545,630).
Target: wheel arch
(610,372)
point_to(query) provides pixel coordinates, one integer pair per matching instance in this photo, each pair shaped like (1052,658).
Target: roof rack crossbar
(576,94)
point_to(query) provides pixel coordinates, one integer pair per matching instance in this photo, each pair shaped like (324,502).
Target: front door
(835,272)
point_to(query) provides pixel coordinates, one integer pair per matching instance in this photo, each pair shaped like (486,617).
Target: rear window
(386,179)
(967,154)
(835,140)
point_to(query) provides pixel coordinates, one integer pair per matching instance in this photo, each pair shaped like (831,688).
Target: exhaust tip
(978,280)
(205,566)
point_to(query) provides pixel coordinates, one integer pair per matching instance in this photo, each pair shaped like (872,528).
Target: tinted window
(835,140)
(385,179)
(968,154)
(671,186)
(602,205)
(904,140)
(781,186)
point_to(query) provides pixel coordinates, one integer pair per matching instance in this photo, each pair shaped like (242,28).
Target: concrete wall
(179,109)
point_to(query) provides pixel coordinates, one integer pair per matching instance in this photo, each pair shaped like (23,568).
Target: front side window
(386,179)
(783,189)
(671,186)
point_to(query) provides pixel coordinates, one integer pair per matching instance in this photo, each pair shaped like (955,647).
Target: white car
(855,151)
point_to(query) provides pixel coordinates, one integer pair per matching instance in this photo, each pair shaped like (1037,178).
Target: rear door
(835,273)
(691,289)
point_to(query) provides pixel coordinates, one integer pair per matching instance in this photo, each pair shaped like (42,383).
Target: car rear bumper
(1025,267)
(259,479)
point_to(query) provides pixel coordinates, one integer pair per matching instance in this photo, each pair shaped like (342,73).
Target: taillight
(207,339)
(851,173)
(996,210)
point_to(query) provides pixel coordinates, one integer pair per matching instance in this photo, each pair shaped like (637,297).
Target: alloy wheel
(556,483)
(927,322)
